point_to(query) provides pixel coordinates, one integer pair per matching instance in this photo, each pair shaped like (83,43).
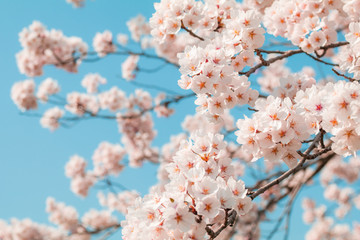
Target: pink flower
(92,81)
(129,66)
(179,218)
(208,207)
(103,43)
(51,117)
(243,205)
(22,93)
(48,87)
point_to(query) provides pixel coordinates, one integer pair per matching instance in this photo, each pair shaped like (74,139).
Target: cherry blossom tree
(296,130)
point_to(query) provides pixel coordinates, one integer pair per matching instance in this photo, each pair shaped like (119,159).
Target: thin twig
(289,172)
(191,32)
(286,55)
(344,76)
(322,61)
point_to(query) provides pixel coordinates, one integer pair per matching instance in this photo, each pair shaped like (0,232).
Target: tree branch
(288,54)
(191,32)
(289,172)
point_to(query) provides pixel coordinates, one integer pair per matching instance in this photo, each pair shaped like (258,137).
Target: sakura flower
(103,43)
(129,67)
(22,93)
(243,205)
(208,207)
(48,87)
(99,219)
(51,117)
(179,218)
(92,81)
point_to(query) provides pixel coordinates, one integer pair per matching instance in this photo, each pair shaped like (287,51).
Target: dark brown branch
(253,109)
(286,55)
(191,32)
(262,60)
(313,156)
(344,76)
(322,61)
(269,51)
(334,45)
(272,60)
(289,172)
(320,55)
(230,217)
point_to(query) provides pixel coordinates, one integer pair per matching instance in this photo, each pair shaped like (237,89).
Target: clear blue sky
(32,158)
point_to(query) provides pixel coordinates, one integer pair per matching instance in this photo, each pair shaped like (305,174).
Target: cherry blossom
(92,81)
(103,43)
(23,95)
(51,117)
(48,87)
(42,47)
(129,66)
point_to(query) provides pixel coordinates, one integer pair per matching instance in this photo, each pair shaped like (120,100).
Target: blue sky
(33,158)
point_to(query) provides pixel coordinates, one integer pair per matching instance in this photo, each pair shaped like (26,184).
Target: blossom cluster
(274,132)
(81,180)
(81,103)
(216,83)
(137,127)
(211,69)
(106,161)
(346,197)
(162,110)
(23,95)
(338,168)
(335,108)
(119,202)
(48,87)
(42,47)
(138,27)
(50,118)
(113,99)
(103,43)
(323,226)
(277,129)
(138,133)
(96,220)
(129,66)
(26,229)
(348,56)
(278,81)
(201,190)
(92,81)
(307,24)
(64,216)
